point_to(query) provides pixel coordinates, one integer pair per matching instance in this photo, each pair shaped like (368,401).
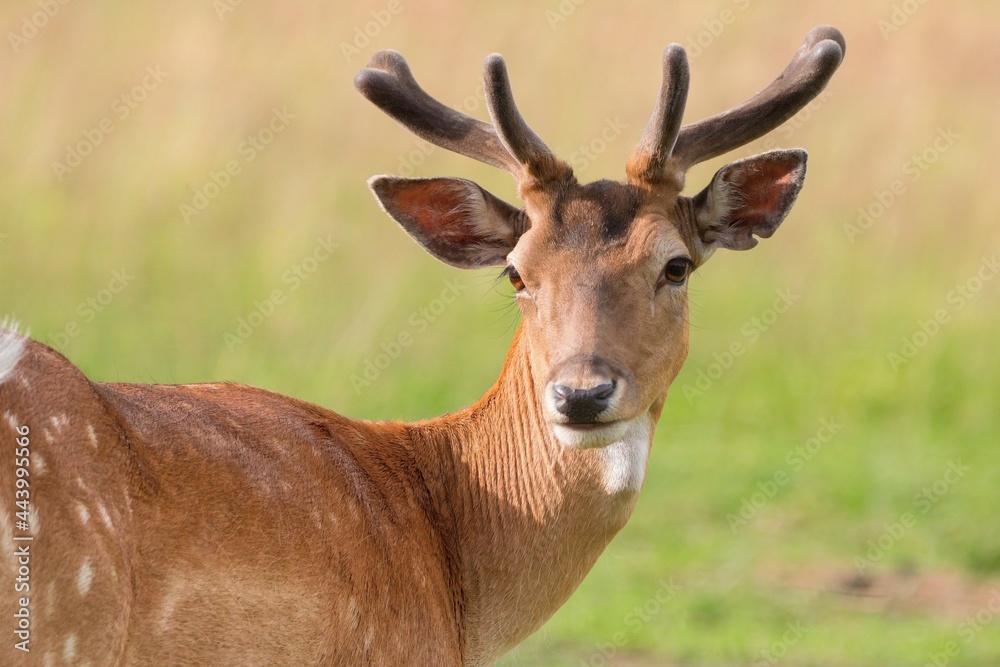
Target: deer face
(600,270)
(602,283)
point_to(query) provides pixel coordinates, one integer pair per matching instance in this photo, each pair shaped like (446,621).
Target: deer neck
(531,516)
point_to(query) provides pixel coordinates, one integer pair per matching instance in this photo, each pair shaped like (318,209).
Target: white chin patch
(623,447)
(590,436)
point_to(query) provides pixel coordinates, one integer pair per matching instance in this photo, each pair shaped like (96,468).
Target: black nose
(582,406)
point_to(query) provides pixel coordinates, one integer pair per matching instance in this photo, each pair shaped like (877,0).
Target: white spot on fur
(625,460)
(34,520)
(169,604)
(50,600)
(38,463)
(92,436)
(48,436)
(83,512)
(69,648)
(7,538)
(105,517)
(48,660)
(11,420)
(84,577)
(166,612)
(11,348)
(353,612)
(59,423)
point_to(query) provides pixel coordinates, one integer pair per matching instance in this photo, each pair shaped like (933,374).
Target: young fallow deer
(219,524)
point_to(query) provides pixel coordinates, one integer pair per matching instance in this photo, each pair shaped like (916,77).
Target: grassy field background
(813,500)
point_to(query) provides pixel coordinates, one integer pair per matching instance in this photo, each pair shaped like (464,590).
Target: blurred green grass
(825,358)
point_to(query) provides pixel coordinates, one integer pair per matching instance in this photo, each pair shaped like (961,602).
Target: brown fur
(227,525)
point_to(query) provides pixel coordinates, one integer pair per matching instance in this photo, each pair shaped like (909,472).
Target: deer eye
(677,270)
(514,277)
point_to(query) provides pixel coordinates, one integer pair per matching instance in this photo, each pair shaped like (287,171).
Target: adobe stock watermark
(248,151)
(417,323)
(899,16)
(796,459)
(713,28)
(121,108)
(26,524)
(409,162)
(956,299)
(967,630)
(580,159)
(364,34)
(556,16)
(922,503)
(88,309)
(911,171)
(634,621)
(785,132)
(223,8)
(588,153)
(35,22)
(292,279)
(773,654)
(751,332)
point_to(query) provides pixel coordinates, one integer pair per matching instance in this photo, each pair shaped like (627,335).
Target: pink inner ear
(768,185)
(766,189)
(752,196)
(452,218)
(437,211)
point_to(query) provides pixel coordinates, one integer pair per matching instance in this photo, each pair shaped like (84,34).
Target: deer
(222,524)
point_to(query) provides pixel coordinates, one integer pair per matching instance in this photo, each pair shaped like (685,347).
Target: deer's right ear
(452,218)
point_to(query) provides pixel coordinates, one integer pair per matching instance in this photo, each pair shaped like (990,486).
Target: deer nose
(582,406)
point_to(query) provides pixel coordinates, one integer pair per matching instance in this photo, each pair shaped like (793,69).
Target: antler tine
(803,79)
(519,139)
(651,154)
(388,83)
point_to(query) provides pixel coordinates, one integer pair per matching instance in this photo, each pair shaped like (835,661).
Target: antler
(650,157)
(508,143)
(803,79)
(515,134)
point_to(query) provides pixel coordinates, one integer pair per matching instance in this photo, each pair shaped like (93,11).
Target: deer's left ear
(747,198)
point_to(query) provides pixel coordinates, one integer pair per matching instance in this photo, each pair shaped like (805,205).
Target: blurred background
(183,199)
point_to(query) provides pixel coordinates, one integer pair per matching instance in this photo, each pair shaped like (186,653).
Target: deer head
(600,269)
